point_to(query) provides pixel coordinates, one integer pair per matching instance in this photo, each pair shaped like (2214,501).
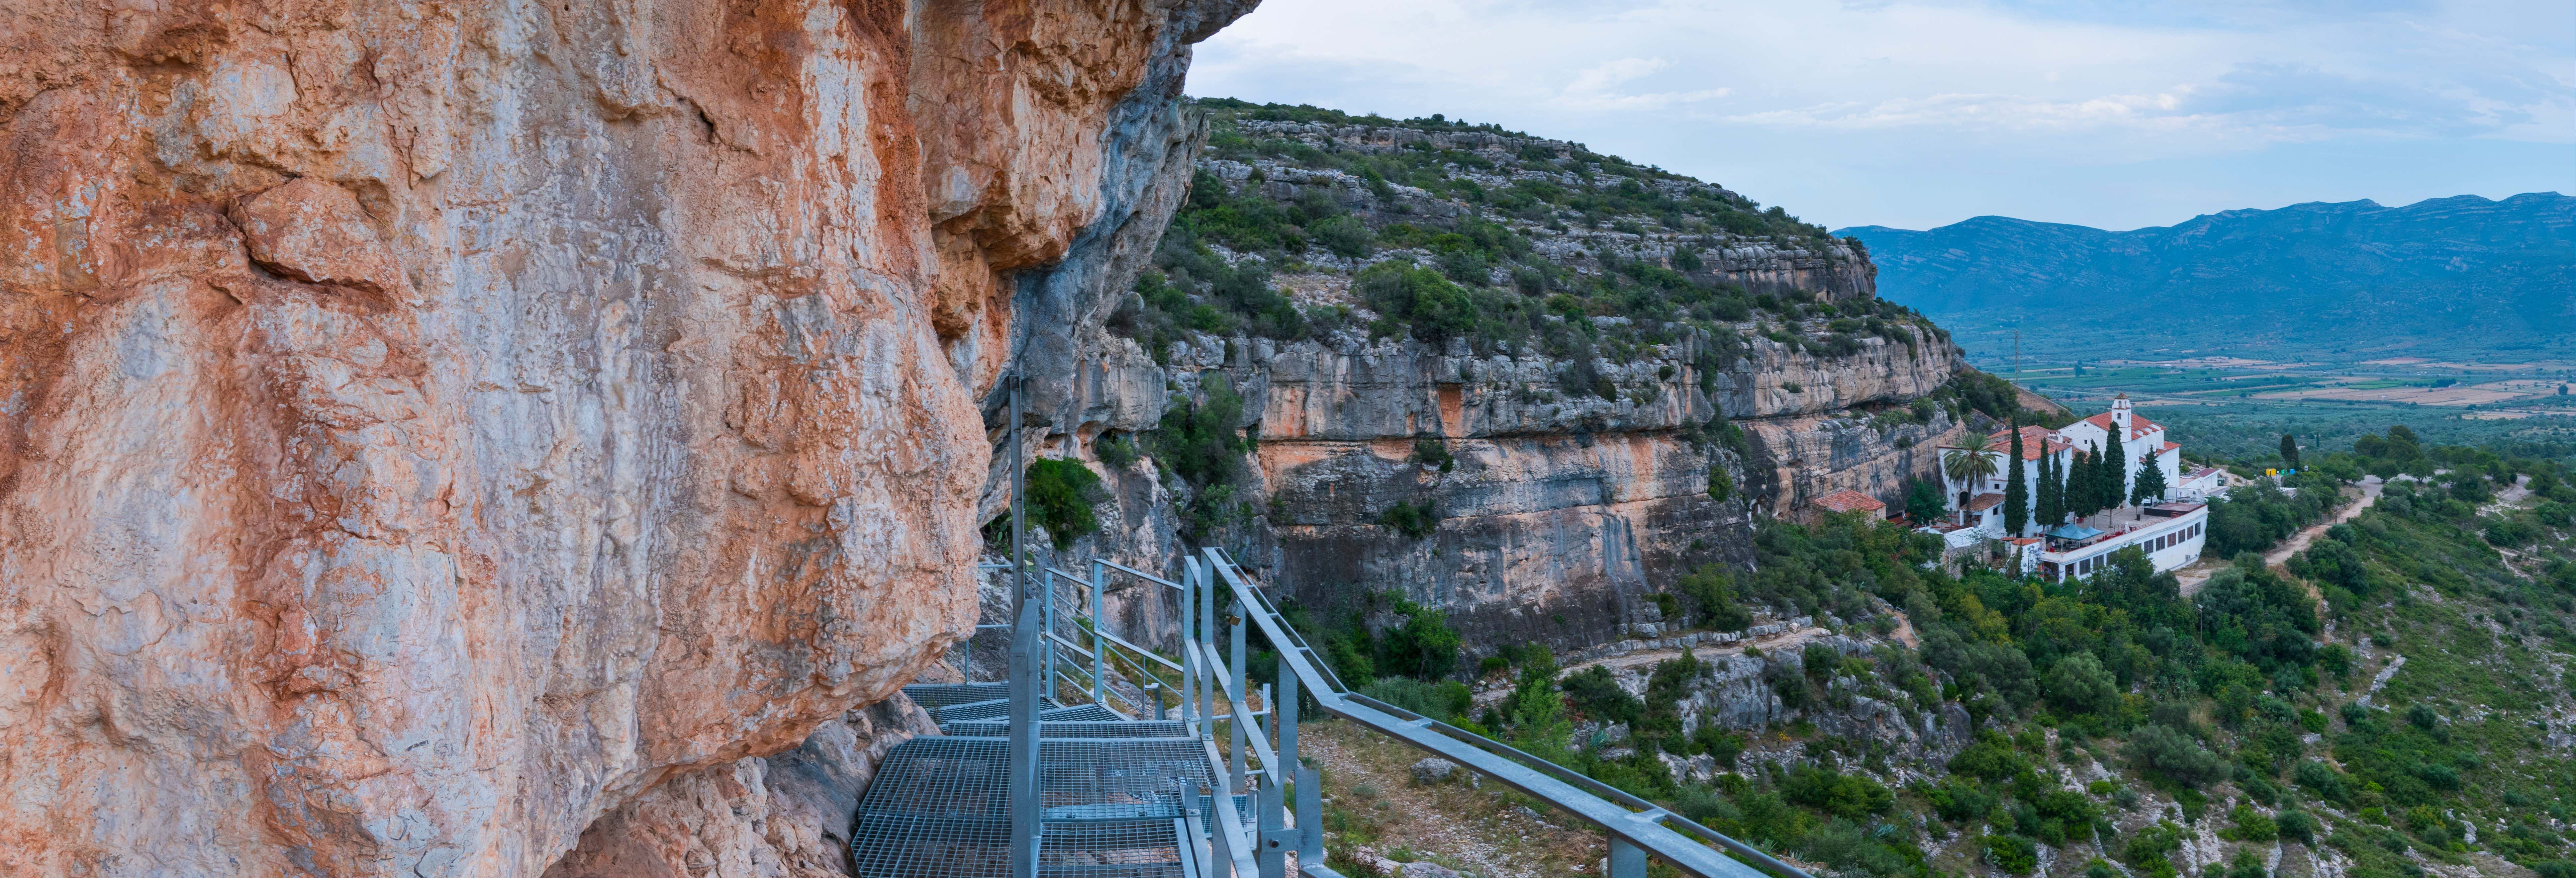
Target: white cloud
(1592,88)
(1849,108)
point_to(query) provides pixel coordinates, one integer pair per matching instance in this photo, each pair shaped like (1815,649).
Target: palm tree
(1965,467)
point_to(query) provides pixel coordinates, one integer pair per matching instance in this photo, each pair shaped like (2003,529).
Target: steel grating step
(937,695)
(1083,713)
(914,847)
(1000,709)
(998,728)
(1113,807)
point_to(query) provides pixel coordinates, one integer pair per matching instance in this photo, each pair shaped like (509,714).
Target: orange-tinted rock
(314,232)
(425,428)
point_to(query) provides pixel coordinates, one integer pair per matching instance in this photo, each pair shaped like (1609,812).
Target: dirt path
(2197,574)
(1476,827)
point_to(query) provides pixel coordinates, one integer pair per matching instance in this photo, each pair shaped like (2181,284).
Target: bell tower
(2120,414)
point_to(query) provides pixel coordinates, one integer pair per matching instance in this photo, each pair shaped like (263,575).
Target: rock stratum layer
(426,428)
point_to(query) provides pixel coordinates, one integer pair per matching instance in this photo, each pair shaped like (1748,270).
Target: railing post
(1283,718)
(1310,817)
(1626,860)
(1274,853)
(1241,690)
(1207,629)
(1047,601)
(1220,847)
(1099,654)
(1189,640)
(1026,641)
(1267,851)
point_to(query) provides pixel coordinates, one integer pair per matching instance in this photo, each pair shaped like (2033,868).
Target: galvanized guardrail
(1637,828)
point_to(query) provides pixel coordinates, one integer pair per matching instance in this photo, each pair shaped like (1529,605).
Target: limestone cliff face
(1557,513)
(425,428)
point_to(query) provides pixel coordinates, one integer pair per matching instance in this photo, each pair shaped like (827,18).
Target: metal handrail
(1596,803)
(1086,677)
(1115,640)
(1242,710)
(1131,571)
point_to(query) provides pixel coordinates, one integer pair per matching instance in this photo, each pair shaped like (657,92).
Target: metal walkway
(1126,777)
(1036,777)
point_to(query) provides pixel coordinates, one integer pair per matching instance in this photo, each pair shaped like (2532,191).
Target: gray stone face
(1557,514)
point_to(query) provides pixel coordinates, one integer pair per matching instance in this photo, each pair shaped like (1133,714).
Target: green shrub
(1115,450)
(1720,484)
(1415,520)
(1848,796)
(2150,848)
(2159,749)
(1433,308)
(1344,235)
(1594,692)
(2299,826)
(2251,825)
(1430,451)
(1424,646)
(2079,684)
(1061,494)
(1991,758)
(1711,591)
(1447,701)
(2013,854)
(1719,744)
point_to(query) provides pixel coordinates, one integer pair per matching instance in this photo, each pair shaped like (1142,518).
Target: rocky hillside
(2444,278)
(435,436)
(1516,380)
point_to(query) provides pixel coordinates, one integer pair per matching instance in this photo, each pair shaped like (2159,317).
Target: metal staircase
(1119,794)
(1022,784)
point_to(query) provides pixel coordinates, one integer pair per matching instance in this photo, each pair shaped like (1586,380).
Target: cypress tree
(2289,451)
(2016,487)
(2052,490)
(2115,470)
(2082,487)
(2070,484)
(2151,483)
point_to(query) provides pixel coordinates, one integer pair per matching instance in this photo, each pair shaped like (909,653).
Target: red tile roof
(1983,502)
(1848,500)
(2033,440)
(2169,446)
(2139,426)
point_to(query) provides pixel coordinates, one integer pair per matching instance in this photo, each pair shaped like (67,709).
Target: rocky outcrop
(1740,693)
(1759,263)
(427,428)
(784,815)
(1557,513)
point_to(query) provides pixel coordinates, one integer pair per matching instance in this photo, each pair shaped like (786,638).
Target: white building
(2171,533)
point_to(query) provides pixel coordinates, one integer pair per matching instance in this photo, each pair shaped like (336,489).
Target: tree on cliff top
(2016,488)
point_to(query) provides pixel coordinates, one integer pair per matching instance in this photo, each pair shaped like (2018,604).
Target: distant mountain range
(2451,278)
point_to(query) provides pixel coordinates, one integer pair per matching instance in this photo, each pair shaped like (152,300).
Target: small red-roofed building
(1848,501)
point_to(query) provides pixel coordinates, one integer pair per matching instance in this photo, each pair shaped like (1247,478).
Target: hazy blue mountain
(2445,277)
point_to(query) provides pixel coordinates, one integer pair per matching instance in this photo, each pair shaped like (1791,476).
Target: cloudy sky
(1917,114)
